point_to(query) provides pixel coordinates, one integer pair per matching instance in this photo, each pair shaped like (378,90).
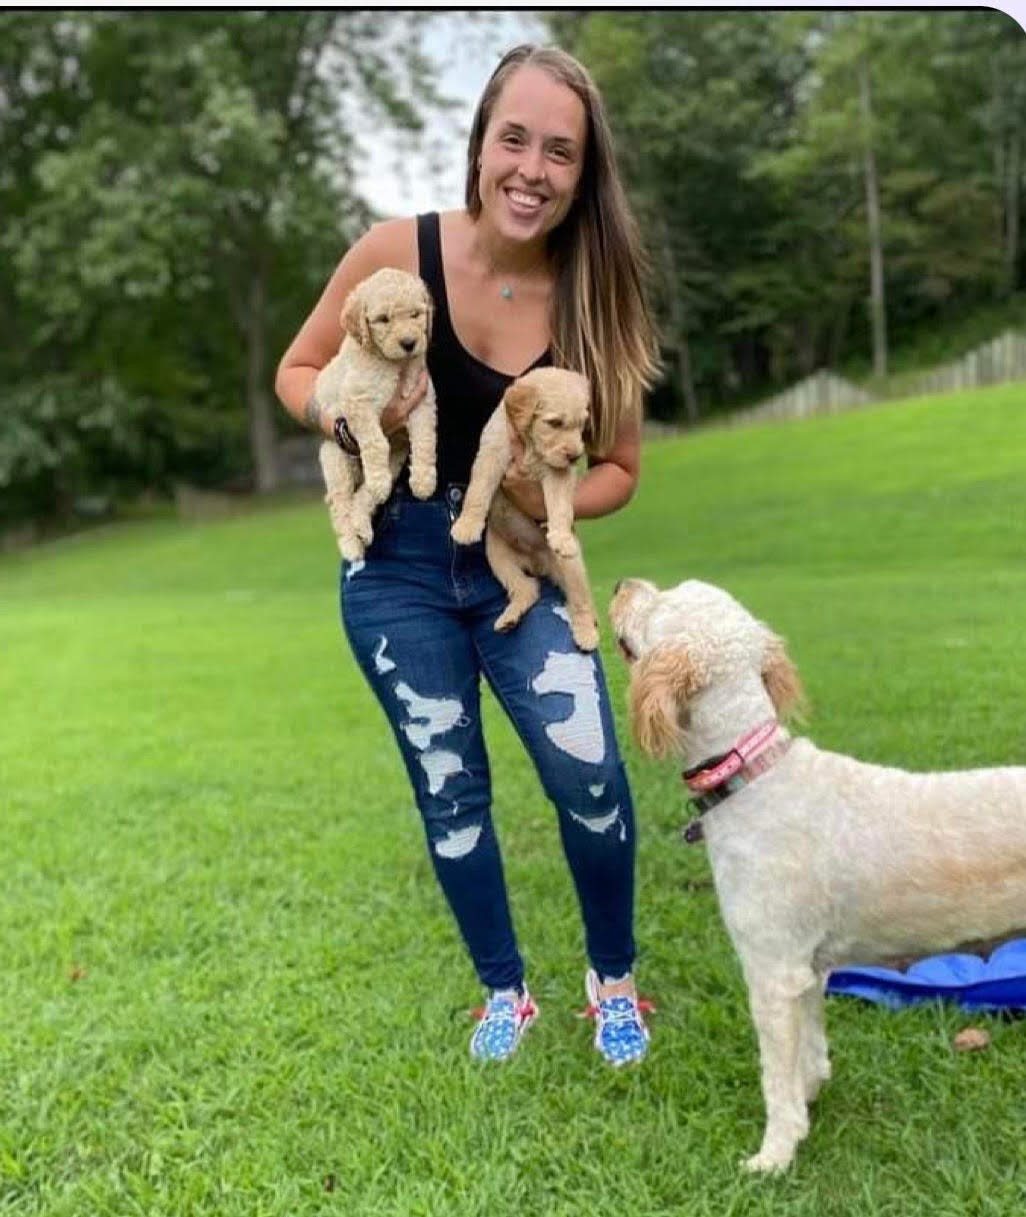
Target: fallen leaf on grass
(971,1039)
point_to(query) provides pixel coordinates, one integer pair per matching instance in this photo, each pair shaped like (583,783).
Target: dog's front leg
(815,1056)
(421,428)
(570,574)
(777,1013)
(374,453)
(558,492)
(485,477)
(341,500)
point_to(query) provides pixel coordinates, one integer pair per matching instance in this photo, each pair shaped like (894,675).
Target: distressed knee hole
(577,732)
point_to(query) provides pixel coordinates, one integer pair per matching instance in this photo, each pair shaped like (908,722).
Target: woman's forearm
(605,488)
(294,385)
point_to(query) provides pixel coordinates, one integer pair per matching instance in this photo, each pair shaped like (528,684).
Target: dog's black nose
(407,343)
(617,586)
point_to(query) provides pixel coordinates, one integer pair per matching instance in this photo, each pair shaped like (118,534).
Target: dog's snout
(407,343)
(617,585)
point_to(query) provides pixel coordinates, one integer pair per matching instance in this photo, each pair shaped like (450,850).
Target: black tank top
(467,390)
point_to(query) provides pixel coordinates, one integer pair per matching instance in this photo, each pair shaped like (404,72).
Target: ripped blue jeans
(419,613)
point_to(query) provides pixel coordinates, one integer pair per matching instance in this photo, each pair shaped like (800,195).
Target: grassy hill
(230,986)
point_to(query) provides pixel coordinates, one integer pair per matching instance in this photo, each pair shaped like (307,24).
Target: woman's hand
(405,399)
(524,492)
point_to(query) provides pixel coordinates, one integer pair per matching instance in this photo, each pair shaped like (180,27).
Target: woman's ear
(662,684)
(781,678)
(520,401)
(354,317)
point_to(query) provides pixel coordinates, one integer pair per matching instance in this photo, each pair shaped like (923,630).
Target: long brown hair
(600,322)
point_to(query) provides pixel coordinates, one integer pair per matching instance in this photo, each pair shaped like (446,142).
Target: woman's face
(532,155)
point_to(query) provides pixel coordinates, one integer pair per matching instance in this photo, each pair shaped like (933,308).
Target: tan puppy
(548,410)
(818,860)
(386,321)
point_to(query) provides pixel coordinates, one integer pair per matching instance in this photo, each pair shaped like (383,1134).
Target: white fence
(994,363)
(999,361)
(821,393)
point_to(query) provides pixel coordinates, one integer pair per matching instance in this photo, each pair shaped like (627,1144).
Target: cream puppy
(548,409)
(818,860)
(386,322)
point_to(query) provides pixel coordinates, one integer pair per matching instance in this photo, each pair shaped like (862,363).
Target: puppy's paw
(585,632)
(513,613)
(467,530)
(352,548)
(564,544)
(508,620)
(423,481)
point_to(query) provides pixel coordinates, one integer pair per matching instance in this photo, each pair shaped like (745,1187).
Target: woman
(541,267)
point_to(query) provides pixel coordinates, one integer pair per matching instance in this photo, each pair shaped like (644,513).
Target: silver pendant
(506,292)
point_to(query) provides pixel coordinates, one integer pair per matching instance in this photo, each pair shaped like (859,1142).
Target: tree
(169,240)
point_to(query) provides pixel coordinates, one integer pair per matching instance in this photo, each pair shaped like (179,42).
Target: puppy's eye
(382,320)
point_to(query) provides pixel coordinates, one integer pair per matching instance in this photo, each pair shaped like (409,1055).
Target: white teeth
(525,200)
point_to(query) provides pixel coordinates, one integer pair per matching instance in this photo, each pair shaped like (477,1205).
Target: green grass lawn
(229,985)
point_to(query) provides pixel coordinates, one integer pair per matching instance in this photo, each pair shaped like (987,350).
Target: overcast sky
(400,178)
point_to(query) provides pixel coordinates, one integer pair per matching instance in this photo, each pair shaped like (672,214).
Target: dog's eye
(382,320)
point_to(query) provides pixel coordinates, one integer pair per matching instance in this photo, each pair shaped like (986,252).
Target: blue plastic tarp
(996,983)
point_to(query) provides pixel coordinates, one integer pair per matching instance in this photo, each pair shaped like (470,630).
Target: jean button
(455,495)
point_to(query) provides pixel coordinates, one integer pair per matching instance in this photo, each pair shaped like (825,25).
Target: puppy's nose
(617,586)
(407,343)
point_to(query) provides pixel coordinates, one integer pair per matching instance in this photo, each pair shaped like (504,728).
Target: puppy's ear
(662,684)
(354,317)
(781,678)
(520,401)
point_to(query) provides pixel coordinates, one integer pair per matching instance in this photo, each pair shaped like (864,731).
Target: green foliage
(742,137)
(185,186)
(231,987)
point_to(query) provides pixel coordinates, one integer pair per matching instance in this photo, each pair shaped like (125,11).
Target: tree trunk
(878,304)
(1013,194)
(678,327)
(260,408)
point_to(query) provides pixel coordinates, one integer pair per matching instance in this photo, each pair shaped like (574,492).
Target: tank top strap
(429,253)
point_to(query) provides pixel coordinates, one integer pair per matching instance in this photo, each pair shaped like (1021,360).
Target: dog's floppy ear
(662,683)
(354,317)
(520,401)
(781,679)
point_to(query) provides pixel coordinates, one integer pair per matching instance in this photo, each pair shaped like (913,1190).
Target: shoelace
(623,1013)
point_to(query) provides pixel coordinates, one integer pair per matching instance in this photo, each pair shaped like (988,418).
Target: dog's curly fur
(386,321)
(548,409)
(821,860)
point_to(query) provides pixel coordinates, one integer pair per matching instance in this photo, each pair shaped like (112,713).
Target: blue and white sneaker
(504,1020)
(620,1032)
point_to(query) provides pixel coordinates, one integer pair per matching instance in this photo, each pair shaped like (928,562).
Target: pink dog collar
(719,777)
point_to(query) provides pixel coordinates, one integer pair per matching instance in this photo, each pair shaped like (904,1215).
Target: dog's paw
(352,548)
(423,482)
(508,619)
(767,1163)
(586,633)
(564,544)
(466,531)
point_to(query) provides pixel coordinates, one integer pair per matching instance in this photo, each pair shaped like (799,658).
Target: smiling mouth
(521,198)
